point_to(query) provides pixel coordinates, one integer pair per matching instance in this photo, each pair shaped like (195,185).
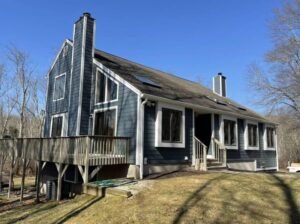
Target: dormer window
(59,87)
(106,88)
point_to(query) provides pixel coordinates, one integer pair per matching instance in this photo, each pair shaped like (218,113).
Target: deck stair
(213,164)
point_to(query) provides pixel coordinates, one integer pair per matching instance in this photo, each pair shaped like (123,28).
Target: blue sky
(193,39)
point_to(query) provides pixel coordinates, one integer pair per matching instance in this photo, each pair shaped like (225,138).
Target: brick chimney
(82,65)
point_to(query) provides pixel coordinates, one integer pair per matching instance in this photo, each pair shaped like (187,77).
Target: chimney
(82,65)
(219,84)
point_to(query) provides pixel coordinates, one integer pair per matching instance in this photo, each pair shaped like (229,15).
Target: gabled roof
(161,84)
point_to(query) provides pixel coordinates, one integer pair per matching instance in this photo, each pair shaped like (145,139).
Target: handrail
(220,151)
(200,155)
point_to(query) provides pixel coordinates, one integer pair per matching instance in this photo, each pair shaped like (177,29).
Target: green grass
(199,198)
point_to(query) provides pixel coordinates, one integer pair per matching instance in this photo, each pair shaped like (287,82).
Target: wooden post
(23,178)
(205,159)
(59,180)
(86,164)
(224,157)
(38,179)
(11,175)
(38,172)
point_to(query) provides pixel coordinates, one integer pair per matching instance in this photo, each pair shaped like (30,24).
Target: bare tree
(278,87)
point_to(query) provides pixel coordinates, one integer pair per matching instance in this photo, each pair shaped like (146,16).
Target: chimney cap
(87,14)
(221,74)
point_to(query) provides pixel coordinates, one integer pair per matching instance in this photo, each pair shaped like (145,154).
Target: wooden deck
(83,150)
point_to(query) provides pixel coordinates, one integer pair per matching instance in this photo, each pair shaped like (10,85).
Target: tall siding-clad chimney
(81,78)
(219,84)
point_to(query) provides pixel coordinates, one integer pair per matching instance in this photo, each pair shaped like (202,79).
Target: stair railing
(200,155)
(220,151)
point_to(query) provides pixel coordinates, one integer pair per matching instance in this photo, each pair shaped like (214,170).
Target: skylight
(147,81)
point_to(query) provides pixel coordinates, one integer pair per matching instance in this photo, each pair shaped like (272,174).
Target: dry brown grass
(198,198)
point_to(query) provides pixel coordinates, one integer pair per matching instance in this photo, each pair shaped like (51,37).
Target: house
(170,122)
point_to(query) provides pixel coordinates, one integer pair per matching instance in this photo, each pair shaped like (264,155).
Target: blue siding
(167,155)
(62,65)
(126,114)
(263,157)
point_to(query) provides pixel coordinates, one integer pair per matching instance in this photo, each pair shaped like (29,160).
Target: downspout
(142,115)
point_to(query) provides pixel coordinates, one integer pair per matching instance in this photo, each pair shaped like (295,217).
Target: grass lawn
(196,198)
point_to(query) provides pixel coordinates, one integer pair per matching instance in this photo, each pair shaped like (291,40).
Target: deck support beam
(23,178)
(61,169)
(38,180)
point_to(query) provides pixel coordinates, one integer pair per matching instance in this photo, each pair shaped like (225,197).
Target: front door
(203,131)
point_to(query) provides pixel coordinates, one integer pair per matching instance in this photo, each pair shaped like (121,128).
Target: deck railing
(220,151)
(98,150)
(200,155)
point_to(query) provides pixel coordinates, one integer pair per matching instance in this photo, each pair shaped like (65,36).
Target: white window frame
(64,128)
(265,137)
(247,147)
(62,74)
(222,134)
(106,93)
(158,126)
(103,110)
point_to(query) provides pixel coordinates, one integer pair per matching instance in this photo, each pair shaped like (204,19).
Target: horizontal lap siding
(161,155)
(263,157)
(126,114)
(62,65)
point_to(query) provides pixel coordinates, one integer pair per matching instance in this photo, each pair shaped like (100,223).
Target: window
(270,137)
(57,126)
(59,87)
(252,135)
(171,125)
(105,123)
(106,88)
(230,132)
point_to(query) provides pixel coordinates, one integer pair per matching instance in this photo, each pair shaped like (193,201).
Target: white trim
(57,56)
(247,147)
(265,137)
(81,75)
(211,146)
(64,124)
(194,147)
(116,77)
(158,126)
(106,93)
(276,149)
(63,74)
(267,168)
(221,131)
(103,110)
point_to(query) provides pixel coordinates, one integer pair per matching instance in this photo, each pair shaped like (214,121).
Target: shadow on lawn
(293,208)
(231,200)
(78,210)
(194,198)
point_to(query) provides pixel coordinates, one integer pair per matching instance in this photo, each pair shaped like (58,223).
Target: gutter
(198,107)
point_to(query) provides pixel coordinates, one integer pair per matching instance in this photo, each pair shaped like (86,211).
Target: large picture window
(230,135)
(57,126)
(171,125)
(106,88)
(105,123)
(59,87)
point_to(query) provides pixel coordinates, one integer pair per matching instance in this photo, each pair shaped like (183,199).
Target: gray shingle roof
(171,87)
